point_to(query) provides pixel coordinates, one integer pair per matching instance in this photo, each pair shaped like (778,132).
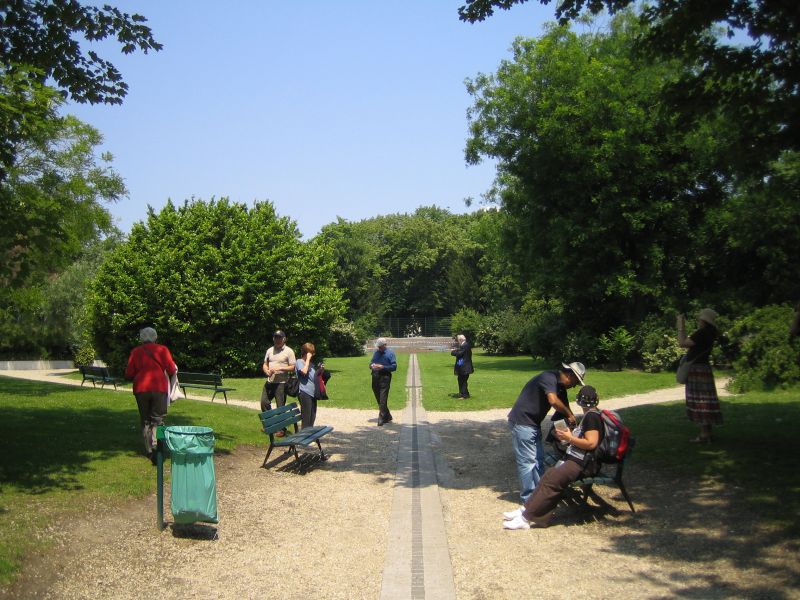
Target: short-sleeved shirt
(592,421)
(280,358)
(308,382)
(532,406)
(703,340)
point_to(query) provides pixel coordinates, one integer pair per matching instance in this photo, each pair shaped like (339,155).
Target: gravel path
(324,535)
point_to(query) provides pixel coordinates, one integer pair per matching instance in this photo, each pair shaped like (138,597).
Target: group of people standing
(151,366)
(279,366)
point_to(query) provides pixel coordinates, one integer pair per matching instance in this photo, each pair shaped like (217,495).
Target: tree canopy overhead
(41,34)
(754,79)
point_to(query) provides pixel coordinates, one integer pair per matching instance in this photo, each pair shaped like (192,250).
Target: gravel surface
(324,534)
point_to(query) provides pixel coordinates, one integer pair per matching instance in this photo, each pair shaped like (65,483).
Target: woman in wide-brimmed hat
(702,402)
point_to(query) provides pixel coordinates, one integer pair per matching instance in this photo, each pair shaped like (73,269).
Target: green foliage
(215,279)
(621,219)
(429,263)
(53,202)
(765,355)
(616,346)
(43,34)
(544,328)
(580,346)
(658,345)
(468,322)
(27,115)
(502,333)
(54,216)
(741,58)
(343,340)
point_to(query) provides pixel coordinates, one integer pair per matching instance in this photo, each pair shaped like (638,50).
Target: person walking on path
(279,361)
(702,402)
(382,365)
(463,367)
(150,366)
(547,389)
(307,378)
(578,462)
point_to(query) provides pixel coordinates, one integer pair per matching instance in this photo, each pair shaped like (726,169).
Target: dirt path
(324,535)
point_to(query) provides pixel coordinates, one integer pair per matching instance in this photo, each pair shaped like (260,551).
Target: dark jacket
(463,355)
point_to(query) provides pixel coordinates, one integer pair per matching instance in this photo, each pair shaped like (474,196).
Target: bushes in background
(765,357)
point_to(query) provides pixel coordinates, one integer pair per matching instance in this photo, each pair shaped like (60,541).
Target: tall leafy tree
(216,279)
(53,208)
(753,79)
(54,201)
(601,190)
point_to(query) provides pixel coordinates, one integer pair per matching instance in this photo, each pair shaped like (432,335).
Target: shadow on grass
(47,445)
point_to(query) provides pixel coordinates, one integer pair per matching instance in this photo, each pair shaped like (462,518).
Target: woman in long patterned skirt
(702,402)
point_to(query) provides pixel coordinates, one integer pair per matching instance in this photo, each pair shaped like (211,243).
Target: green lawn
(752,450)
(65,448)
(498,380)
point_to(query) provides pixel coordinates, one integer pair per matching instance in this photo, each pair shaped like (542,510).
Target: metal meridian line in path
(417,563)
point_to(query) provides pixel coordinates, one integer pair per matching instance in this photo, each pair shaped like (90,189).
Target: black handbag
(293,387)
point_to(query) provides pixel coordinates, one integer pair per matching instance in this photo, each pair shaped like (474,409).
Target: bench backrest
(94,371)
(200,378)
(280,418)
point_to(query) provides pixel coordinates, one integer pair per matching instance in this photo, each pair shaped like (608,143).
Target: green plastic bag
(194,484)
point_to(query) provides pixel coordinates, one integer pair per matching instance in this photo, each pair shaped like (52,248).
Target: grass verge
(498,380)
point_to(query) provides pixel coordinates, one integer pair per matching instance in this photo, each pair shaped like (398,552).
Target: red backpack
(616,441)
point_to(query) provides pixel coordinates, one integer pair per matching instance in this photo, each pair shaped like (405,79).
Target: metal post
(160,478)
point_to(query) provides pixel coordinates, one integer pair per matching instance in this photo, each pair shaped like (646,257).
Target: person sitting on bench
(578,462)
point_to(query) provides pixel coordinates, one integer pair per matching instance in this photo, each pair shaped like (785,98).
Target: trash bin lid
(190,439)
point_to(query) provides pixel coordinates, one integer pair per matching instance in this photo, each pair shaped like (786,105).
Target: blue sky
(329,109)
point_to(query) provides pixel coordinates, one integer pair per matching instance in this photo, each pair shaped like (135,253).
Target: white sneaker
(519,523)
(513,514)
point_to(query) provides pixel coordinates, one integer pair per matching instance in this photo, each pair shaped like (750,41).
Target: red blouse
(146,366)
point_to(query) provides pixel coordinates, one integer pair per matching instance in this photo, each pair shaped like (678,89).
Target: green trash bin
(194,484)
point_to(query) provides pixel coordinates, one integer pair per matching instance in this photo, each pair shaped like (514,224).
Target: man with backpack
(580,461)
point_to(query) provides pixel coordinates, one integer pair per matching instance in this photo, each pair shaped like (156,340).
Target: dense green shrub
(215,279)
(765,355)
(544,329)
(343,340)
(616,346)
(580,346)
(501,333)
(468,322)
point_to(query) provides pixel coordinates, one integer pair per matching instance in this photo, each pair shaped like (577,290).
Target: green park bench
(203,381)
(99,375)
(583,487)
(278,419)
(585,484)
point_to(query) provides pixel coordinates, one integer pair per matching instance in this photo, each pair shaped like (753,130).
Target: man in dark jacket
(463,367)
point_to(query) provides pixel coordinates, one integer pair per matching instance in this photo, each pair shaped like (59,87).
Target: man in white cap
(382,365)
(548,389)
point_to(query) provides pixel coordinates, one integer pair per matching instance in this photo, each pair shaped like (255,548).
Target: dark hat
(587,396)
(279,334)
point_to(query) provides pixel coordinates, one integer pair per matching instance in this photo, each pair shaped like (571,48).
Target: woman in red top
(149,366)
